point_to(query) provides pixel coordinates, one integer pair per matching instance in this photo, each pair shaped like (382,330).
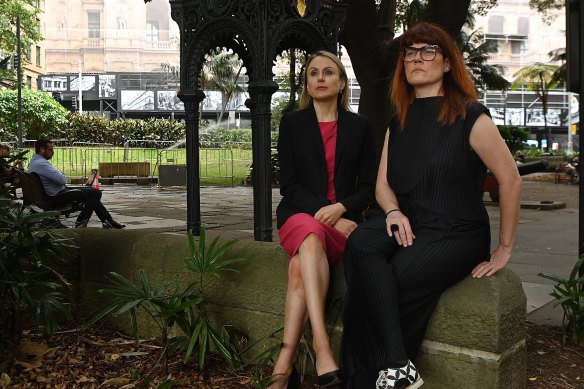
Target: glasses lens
(408,54)
(429,53)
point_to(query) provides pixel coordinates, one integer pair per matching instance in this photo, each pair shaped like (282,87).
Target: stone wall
(476,337)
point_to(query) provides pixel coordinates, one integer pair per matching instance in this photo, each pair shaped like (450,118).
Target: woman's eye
(328,72)
(313,73)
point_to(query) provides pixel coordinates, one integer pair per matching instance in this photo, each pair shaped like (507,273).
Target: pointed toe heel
(329,380)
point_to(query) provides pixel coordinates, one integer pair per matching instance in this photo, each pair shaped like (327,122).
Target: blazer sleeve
(292,186)
(364,194)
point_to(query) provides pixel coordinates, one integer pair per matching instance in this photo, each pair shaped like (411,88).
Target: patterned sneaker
(405,376)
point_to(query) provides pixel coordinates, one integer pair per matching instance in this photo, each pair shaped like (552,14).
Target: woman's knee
(312,244)
(294,275)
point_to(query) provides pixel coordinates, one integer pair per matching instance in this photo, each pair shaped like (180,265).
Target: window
(495,43)
(28,53)
(93,24)
(496,24)
(29,82)
(517,47)
(523,26)
(152,31)
(38,56)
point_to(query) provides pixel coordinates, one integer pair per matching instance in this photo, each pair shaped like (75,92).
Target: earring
(341,92)
(446,70)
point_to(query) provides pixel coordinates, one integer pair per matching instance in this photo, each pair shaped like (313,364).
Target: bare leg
(295,318)
(314,270)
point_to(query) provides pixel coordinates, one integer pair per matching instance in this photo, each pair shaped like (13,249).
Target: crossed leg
(308,281)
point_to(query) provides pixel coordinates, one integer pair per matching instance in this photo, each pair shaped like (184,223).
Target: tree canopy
(41,114)
(29,28)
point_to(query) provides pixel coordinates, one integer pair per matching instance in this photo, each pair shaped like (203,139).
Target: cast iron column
(259,103)
(192,100)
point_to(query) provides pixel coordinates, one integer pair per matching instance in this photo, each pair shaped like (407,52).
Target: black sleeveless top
(432,168)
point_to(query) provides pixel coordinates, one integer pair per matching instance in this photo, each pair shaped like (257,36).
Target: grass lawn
(217,166)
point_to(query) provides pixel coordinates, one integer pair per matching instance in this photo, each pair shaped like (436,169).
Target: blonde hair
(343,98)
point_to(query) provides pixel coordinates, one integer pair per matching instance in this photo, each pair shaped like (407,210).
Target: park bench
(124,169)
(34,195)
(562,176)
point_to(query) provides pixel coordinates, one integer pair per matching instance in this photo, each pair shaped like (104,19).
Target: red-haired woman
(435,228)
(327,176)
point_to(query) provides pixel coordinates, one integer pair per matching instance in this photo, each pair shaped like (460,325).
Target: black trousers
(90,199)
(393,290)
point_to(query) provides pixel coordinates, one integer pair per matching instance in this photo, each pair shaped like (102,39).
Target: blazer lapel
(342,136)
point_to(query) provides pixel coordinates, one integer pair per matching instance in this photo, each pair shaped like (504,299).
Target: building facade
(525,37)
(101,36)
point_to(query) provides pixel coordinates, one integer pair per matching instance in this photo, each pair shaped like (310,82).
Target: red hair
(457,86)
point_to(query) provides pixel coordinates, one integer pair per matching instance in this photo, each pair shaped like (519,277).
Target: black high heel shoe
(294,379)
(330,379)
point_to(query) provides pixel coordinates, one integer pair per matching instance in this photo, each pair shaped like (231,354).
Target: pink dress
(298,226)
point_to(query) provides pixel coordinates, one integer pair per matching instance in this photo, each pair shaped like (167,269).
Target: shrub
(569,293)
(41,115)
(87,128)
(31,290)
(514,137)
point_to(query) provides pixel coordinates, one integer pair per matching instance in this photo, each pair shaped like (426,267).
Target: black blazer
(303,175)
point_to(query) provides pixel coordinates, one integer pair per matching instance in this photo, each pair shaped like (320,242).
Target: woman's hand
(345,226)
(330,214)
(499,259)
(398,226)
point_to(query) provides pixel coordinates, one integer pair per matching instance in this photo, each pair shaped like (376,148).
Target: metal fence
(76,160)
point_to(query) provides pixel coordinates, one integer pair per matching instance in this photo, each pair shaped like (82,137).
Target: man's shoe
(404,376)
(81,223)
(112,224)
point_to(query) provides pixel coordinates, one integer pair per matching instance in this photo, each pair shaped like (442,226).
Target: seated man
(54,183)
(573,168)
(8,171)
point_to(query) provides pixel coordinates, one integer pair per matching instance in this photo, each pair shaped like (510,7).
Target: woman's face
(323,79)
(425,65)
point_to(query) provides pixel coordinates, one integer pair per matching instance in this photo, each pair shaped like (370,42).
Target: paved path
(546,242)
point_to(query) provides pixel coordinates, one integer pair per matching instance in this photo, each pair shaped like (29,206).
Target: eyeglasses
(428,52)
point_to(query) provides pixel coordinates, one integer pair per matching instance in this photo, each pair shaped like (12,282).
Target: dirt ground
(533,190)
(104,358)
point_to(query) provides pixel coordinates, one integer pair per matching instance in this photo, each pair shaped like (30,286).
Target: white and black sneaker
(403,376)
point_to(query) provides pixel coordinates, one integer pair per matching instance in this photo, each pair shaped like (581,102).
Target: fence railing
(78,160)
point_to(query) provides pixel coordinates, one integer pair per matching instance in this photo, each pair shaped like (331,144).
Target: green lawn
(217,166)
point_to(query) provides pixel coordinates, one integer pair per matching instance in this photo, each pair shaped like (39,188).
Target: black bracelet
(392,210)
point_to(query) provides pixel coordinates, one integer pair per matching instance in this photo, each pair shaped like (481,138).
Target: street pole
(19,78)
(570,141)
(574,63)
(80,98)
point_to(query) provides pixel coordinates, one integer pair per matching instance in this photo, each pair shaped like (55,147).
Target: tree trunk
(548,135)
(368,38)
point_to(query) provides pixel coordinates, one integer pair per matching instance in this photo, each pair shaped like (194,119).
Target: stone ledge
(476,335)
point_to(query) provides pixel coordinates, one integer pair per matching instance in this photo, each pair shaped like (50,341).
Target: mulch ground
(103,358)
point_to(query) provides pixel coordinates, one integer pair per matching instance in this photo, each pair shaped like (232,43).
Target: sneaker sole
(416,384)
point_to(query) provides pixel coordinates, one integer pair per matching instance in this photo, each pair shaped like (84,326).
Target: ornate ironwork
(257,31)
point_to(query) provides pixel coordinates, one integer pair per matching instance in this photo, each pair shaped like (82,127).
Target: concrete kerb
(476,333)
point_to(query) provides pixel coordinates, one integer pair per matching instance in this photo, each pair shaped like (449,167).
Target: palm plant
(475,51)
(220,72)
(539,78)
(167,305)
